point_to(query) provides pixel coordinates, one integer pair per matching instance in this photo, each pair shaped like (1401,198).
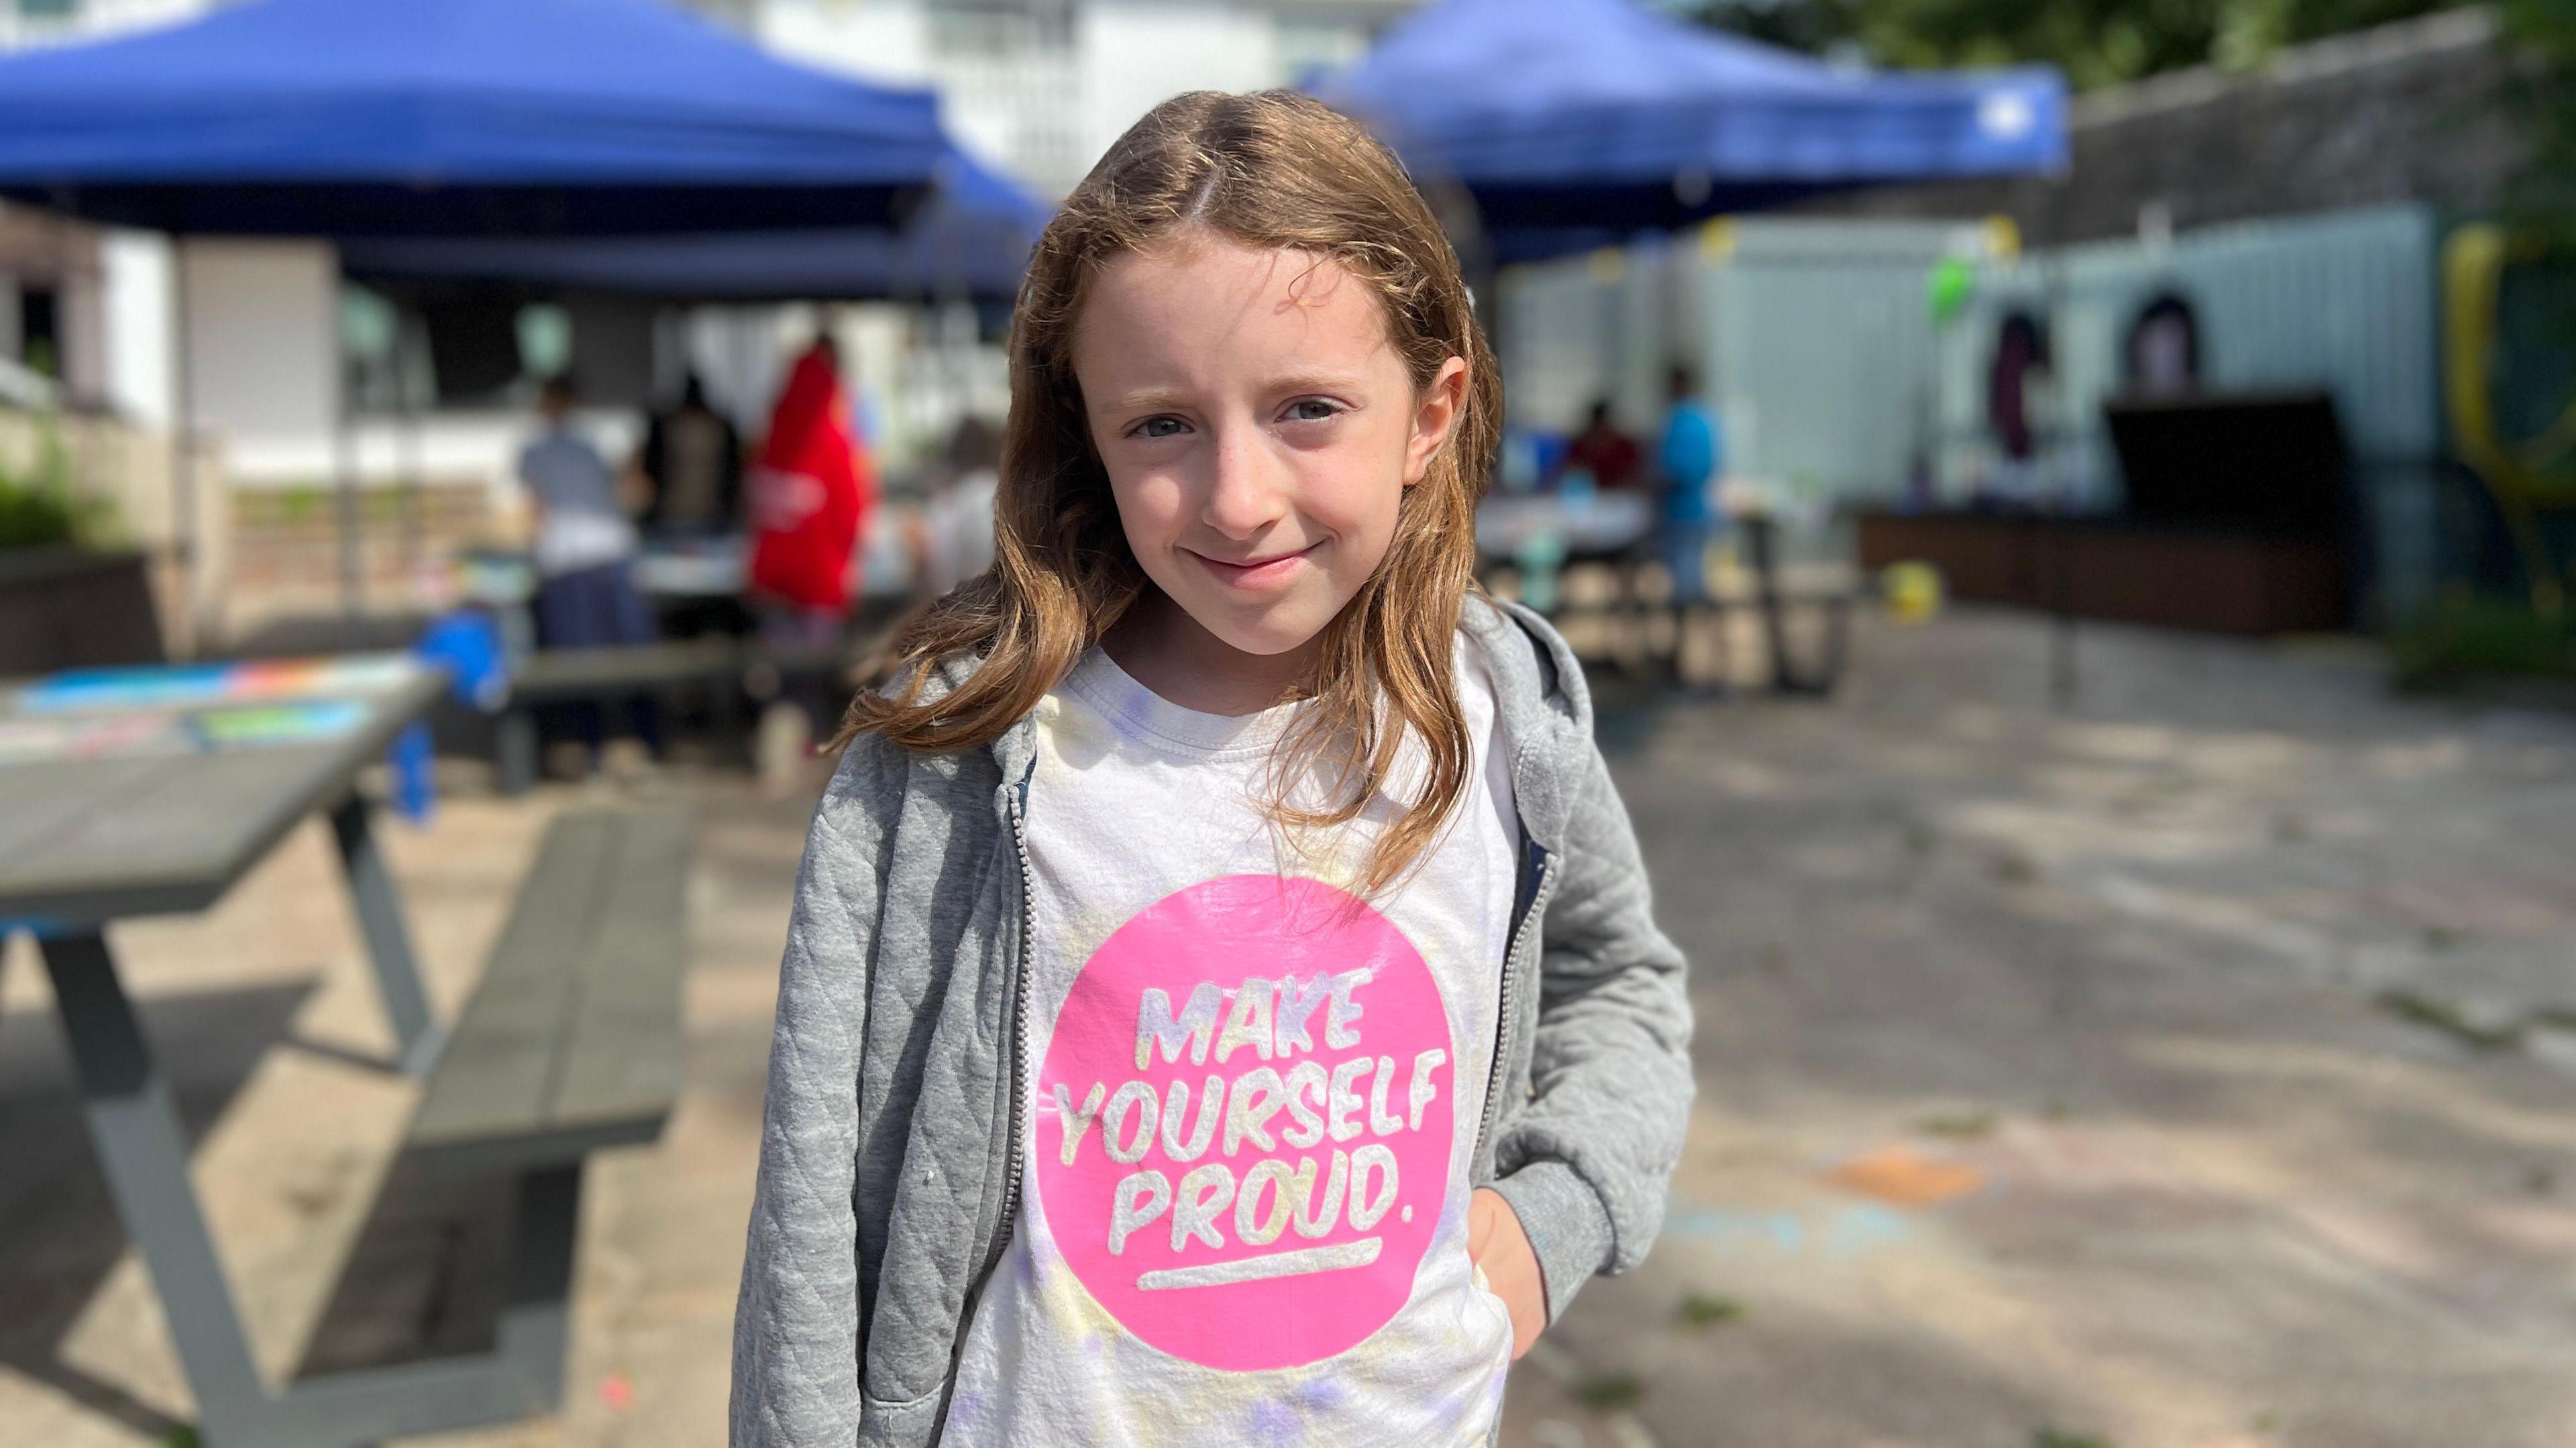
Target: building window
(997,29)
(1311,48)
(40,331)
(2164,347)
(545,339)
(1007,75)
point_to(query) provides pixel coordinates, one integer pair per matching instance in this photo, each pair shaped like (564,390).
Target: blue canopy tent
(497,118)
(1575,122)
(446,117)
(969,240)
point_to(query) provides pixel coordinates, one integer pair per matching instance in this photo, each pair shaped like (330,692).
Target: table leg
(146,1160)
(515,747)
(136,1131)
(1758,533)
(371,889)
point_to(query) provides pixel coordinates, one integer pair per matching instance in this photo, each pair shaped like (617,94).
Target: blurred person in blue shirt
(1691,457)
(585,551)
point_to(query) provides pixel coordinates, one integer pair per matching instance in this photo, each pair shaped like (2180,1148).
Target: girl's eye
(1157,427)
(1312,409)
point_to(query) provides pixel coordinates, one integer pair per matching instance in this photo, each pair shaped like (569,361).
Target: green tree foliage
(39,506)
(2104,42)
(32,515)
(2546,94)
(1820,27)
(2096,42)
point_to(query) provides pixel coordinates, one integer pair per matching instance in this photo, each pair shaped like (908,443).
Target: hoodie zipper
(1504,1019)
(1015,1159)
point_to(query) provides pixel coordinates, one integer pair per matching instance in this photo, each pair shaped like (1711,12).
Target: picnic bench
(569,1044)
(726,671)
(1775,596)
(561,676)
(134,793)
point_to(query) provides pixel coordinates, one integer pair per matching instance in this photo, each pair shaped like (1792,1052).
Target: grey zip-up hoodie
(889,1159)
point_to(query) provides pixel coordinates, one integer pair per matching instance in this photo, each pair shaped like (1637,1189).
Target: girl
(1221,1004)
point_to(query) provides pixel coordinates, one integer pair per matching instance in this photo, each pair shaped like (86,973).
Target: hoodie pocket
(912,1424)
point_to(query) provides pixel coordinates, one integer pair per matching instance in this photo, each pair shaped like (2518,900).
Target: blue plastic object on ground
(467,645)
(415,785)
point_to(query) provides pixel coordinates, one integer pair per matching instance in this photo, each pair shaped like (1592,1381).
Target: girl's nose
(1246,492)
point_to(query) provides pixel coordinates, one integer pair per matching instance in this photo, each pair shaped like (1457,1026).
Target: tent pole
(414,464)
(344,466)
(185,546)
(2064,682)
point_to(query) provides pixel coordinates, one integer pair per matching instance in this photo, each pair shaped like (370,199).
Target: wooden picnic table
(151,791)
(1616,528)
(1587,526)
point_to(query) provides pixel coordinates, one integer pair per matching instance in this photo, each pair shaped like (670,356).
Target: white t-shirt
(1252,1102)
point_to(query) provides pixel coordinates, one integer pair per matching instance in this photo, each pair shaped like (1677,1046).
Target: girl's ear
(1434,414)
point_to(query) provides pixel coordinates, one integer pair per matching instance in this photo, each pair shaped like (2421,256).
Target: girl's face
(1258,428)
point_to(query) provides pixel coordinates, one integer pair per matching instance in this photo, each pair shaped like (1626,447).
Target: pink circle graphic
(1244,1123)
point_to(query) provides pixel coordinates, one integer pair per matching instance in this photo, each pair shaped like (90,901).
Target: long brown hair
(1275,169)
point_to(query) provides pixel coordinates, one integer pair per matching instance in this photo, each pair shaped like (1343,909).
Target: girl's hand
(1498,1247)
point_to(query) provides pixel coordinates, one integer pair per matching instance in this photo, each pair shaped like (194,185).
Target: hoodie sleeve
(1587,1163)
(796,1322)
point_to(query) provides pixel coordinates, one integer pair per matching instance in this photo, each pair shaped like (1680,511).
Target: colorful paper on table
(86,691)
(36,741)
(142,735)
(304,722)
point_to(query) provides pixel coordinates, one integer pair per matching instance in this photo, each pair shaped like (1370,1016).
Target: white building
(1043,86)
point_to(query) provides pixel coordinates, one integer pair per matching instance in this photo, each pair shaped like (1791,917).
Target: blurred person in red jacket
(809,494)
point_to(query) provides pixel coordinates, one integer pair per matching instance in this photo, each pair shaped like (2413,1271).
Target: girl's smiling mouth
(1268,572)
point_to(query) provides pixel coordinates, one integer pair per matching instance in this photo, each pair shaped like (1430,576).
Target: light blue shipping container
(1817,341)
(2342,301)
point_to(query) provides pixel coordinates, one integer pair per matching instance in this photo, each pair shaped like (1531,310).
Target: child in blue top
(1691,456)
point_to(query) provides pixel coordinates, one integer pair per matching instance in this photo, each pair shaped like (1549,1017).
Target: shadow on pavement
(425,1277)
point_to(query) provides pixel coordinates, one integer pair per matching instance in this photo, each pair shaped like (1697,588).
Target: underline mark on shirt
(1298,1263)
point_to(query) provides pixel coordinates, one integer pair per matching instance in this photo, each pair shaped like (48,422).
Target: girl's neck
(1163,648)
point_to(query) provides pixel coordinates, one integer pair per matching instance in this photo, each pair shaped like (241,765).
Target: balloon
(1952,282)
(1912,589)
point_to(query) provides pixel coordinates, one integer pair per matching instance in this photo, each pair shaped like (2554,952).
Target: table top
(682,569)
(1587,523)
(691,568)
(151,790)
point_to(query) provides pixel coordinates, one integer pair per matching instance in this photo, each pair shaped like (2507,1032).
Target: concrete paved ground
(2189,1066)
